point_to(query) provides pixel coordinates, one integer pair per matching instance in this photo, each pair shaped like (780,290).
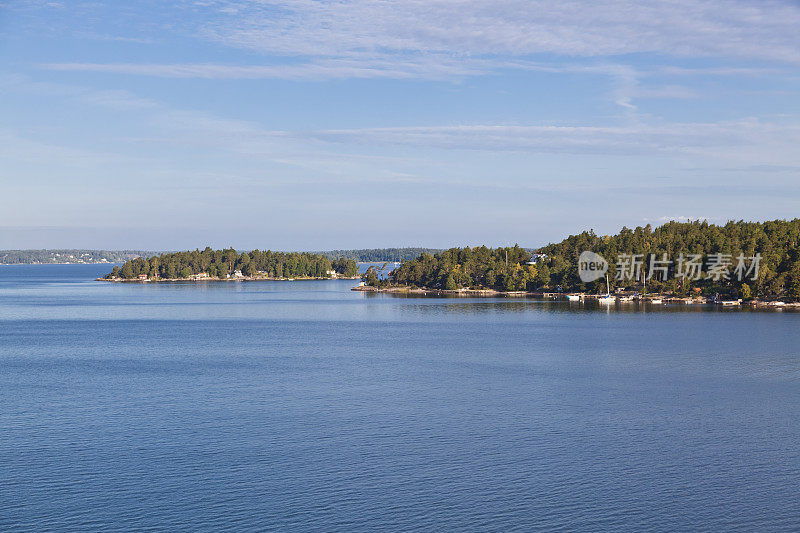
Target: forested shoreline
(228,263)
(777,244)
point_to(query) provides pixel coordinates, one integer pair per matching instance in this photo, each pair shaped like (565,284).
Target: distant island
(69,256)
(228,264)
(379,255)
(553,269)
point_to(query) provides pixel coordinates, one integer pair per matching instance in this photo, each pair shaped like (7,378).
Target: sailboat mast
(644,281)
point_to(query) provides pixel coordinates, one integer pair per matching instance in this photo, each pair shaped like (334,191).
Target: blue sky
(313,125)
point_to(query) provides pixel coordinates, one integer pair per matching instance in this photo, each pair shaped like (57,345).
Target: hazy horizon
(91,235)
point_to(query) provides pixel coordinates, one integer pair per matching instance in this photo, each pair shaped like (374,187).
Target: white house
(535,258)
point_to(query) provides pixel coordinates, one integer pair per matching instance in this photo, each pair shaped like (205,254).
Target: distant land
(736,262)
(32,257)
(229,264)
(71,256)
(377,255)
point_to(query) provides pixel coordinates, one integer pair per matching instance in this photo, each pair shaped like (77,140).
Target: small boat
(573,297)
(655,301)
(625,298)
(607,299)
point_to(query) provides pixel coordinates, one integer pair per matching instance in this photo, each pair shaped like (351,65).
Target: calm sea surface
(305,406)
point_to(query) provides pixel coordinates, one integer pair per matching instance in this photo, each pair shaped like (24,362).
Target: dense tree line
(378,255)
(503,269)
(25,257)
(223,263)
(777,242)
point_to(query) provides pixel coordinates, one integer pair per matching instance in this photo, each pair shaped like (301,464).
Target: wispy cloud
(14,147)
(626,81)
(435,39)
(118,99)
(672,70)
(728,28)
(639,138)
(737,29)
(666,91)
(749,144)
(419,67)
(117,38)
(113,98)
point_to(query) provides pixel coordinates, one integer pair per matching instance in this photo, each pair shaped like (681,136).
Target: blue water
(305,406)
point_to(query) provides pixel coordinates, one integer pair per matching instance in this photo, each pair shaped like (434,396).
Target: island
(731,264)
(231,265)
(380,255)
(69,256)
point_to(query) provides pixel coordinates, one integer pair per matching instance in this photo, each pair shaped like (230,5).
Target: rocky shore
(195,279)
(656,299)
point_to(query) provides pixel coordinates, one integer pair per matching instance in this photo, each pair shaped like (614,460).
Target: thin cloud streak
(426,68)
(429,66)
(515,28)
(640,138)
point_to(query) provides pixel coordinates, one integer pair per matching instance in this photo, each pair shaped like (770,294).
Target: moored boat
(607,298)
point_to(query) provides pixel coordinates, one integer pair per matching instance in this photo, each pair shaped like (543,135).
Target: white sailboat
(607,299)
